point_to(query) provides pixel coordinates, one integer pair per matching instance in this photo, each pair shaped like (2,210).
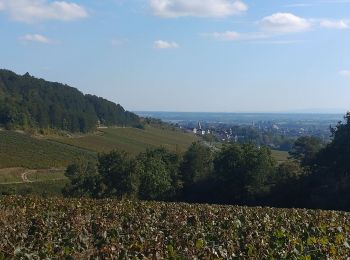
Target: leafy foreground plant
(81,228)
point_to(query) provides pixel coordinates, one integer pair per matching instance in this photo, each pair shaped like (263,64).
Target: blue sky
(186,55)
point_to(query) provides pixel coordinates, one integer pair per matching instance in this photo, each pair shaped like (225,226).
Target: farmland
(131,140)
(22,150)
(48,182)
(81,228)
(280,156)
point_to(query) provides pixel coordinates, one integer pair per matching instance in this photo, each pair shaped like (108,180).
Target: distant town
(277,131)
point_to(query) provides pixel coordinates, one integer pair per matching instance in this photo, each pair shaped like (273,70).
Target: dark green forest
(28,103)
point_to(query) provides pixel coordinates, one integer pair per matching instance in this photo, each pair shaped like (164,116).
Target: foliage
(326,182)
(305,149)
(117,174)
(83,179)
(329,184)
(110,114)
(27,102)
(109,229)
(288,170)
(244,171)
(197,163)
(158,173)
(153,175)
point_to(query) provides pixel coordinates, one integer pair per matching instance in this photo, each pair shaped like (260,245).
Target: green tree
(27,102)
(118,175)
(288,170)
(84,180)
(197,164)
(245,171)
(305,149)
(158,171)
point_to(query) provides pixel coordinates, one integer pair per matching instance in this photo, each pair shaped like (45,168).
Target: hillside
(131,140)
(23,150)
(20,152)
(84,229)
(27,102)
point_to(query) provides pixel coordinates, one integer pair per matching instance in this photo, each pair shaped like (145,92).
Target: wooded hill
(27,102)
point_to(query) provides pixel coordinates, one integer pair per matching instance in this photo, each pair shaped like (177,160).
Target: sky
(186,55)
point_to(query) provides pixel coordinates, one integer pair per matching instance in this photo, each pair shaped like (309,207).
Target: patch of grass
(10,175)
(14,175)
(50,188)
(280,156)
(22,150)
(132,140)
(47,175)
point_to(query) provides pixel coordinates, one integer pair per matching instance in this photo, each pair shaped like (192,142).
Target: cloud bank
(40,10)
(281,24)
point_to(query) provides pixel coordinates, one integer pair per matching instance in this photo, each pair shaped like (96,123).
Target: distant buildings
(199,130)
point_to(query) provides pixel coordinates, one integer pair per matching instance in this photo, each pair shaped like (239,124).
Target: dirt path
(22,176)
(25,174)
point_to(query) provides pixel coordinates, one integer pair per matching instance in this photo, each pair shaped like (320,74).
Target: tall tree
(118,175)
(305,149)
(197,164)
(245,172)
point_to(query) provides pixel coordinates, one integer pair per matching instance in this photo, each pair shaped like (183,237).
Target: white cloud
(277,25)
(35,38)
(235,36)
(284,23)
(40,10)
(344,73)
(165,45)
(335,24)
(198,8)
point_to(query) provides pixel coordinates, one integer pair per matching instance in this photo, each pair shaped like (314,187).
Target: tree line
(27,103)
(315,176)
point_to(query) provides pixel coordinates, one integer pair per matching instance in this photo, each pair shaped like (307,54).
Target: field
(280,156)
(22,150)
(21,153)
(83,229)
(48,182)
(50,188)
(21,175)
(131,140)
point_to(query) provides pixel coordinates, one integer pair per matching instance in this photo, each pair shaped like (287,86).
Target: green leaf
(200,243)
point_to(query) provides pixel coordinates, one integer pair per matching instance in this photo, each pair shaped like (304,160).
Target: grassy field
(48,182)
(131,140)
(22,150)
(280,156)
(14,175)
(10,175)
(111,229)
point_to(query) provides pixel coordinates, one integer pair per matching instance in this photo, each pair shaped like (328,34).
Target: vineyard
(131,140)
(33,228)
(22,150)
